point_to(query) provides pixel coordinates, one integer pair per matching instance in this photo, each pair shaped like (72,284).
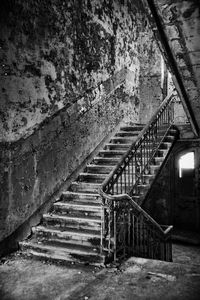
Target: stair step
(118,146)
(92,177)
(126,133)
(69,248)
(165,145)
(75,255)
(83,206)
(66,220)
(143,186)
(137,128)
(103,169)
(77,209)
(111,153)
(77,205)
(84,197)
(158,159)
(89,246)
(85,187)
(148,178)
(54,240)
(154,168)
(87,223)
(123,140)
(161,152)
(106,160)
(75,234)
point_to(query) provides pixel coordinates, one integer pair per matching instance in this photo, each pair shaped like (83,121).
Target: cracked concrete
(137,278)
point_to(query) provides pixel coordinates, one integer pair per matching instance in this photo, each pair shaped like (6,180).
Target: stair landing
(26,279)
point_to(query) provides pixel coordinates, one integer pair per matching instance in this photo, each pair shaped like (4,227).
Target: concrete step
(77,208)
(154,168)
(103,169)
(80,197)
(87,223)
(165,145)
(106,160)
(161,152)
(137,128)
(143,187)
(118,146)
(123,140)
(89,246)
(55,253)
(158,160)
(129,133)
(148,178)
(72,235)
(85,187)
(112,153)
(92,177)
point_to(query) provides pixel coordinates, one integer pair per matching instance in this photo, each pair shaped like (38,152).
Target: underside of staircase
(72,230)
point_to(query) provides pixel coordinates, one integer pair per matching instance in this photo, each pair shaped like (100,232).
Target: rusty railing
(126,228)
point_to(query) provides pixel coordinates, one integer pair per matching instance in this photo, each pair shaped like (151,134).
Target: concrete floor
(26,279)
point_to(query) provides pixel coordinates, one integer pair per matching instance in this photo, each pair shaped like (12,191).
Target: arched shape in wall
(186,162)
(186,205)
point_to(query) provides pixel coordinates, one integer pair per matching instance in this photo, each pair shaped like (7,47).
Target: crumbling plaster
(54,54)
(69,74)
(181,24)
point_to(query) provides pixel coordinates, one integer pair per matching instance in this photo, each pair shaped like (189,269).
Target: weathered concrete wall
(53,54)
(150,79)
(180,21)
(69,74)
(180,116)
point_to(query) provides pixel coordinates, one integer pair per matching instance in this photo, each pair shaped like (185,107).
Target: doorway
(186,207)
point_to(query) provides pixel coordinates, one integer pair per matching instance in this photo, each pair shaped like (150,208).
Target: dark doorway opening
(186,210)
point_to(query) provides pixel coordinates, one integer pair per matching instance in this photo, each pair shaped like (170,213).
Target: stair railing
(121,216)
(129,231)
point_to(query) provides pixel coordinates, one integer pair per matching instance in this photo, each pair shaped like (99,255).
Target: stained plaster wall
(69,74)
(180,21)
(150,86)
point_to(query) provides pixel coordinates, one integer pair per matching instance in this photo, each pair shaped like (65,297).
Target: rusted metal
(128,229)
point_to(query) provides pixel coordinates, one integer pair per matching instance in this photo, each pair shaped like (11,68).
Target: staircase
(71,231)
(76,229)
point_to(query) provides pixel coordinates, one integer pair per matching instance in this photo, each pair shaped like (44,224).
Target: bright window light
(186,162)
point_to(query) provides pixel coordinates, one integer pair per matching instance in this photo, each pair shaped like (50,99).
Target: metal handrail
(133,148)
(125,197)
(120,206)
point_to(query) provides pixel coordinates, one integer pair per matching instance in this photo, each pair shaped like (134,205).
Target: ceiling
(176,25)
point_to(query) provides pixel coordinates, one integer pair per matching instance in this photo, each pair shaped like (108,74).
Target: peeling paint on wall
(70,72)
(54,54)
(180,21)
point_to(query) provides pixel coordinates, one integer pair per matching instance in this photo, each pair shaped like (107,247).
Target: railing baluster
(138,232)
(133,235)
(125,188)
(129,177)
